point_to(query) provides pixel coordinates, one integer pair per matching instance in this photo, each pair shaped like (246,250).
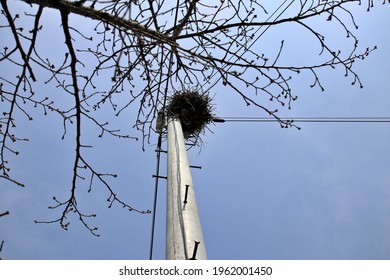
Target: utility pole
(184,240)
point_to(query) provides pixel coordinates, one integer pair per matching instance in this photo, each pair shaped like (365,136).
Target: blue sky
(322,192)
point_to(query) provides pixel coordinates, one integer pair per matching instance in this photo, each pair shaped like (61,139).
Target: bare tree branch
(4,214)
(144,51)
(25,57)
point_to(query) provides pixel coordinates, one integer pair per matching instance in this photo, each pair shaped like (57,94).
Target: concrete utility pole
(184,232)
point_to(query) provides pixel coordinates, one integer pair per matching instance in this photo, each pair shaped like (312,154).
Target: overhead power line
(306,119)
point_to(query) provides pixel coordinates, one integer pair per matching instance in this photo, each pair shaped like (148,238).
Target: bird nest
(193,109)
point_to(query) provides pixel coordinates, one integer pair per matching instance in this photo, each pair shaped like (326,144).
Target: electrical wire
(158,151)
(307,119)
(269,18)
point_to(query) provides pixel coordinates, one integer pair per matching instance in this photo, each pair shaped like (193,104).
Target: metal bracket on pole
(196,166)
(160,177)
(195,250)
(186,194)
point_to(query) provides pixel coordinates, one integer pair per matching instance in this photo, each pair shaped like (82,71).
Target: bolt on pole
(184,238)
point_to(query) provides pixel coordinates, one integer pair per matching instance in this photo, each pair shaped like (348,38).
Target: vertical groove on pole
(183,225)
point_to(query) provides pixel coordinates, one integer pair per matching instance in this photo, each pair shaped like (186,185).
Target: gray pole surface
(184,238)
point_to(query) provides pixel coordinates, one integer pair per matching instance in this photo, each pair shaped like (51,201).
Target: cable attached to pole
(307,119)
(157,176)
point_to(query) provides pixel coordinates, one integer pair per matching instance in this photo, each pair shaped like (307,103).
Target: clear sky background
(322,192)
